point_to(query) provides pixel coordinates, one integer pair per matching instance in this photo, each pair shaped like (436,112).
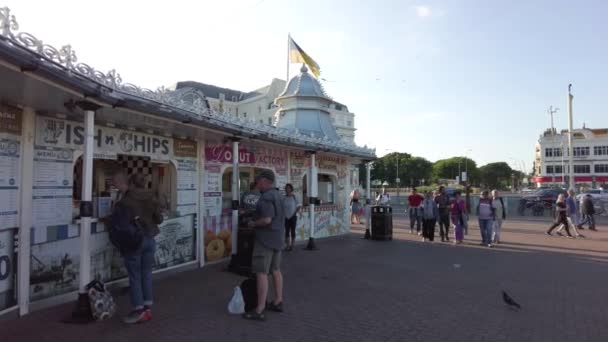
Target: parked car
(539,201)
(596,194)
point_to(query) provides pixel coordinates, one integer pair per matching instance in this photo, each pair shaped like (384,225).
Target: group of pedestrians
(425,212)
(567,215)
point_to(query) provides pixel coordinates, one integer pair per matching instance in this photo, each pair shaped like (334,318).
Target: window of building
(600,150)
(601,168)
(338,106)
(581,151)
(245,114)
(557,152)
(237,111)
(259,109)
(349,123)
(325,186)
(553,169)
(548,152)
(270,121)
(270,105)
(582,168)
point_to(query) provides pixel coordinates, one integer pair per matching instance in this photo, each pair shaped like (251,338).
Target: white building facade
(259,105)
(590,157)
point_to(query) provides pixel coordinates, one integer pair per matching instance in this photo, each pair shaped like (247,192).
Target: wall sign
(70,134)
(184,148)
(10,119)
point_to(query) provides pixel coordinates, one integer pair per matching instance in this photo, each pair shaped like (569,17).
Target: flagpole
(288,41)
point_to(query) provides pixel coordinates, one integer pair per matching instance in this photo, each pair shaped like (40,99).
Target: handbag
(101,301)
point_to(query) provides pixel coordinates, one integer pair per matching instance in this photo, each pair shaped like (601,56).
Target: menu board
(9,182)
(186,186)
(212,190)
(52,189)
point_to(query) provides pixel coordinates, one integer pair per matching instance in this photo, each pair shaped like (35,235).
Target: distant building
(590,158)
(259,105)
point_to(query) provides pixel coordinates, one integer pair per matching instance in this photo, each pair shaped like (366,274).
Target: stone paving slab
(401,290)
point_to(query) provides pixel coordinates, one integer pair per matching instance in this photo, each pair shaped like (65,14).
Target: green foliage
(496,175)
(448,168)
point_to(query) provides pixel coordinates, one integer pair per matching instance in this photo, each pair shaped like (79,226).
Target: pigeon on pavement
(510,301)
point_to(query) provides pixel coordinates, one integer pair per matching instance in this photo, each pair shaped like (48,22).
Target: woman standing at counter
(291,207)
(138,207)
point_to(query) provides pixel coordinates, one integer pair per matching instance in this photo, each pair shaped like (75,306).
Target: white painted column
(25,213)
(200,231)
(235,195)
(86,208)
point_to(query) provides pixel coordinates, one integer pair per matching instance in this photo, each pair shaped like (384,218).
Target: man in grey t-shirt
(269,225)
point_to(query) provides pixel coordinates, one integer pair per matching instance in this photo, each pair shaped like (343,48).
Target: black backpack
(249,288)
(126,232)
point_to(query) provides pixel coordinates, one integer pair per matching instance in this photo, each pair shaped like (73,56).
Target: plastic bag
(237,303)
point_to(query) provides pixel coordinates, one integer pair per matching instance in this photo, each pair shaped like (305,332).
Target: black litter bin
(382,223)
(240,263)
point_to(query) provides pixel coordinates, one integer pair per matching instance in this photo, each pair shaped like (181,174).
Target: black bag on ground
(249,288)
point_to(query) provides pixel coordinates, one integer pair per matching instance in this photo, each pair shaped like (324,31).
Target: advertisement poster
(70,134)
(175,242)
(52,189)
(55,265)
(329,221)
(6,260)
(7,269)
(9,183)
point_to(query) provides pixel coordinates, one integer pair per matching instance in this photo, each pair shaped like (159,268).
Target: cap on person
(267,174)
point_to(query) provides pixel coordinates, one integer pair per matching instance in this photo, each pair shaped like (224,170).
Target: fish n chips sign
(107,141)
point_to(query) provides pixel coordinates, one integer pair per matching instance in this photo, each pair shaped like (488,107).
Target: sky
(435,79)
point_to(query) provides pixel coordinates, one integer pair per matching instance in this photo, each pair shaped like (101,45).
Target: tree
(412,170)
(496,175)
(448,169)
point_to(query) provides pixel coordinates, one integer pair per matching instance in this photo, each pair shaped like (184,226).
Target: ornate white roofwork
(64,59)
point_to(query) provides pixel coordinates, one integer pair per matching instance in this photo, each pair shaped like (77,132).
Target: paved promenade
(402,290)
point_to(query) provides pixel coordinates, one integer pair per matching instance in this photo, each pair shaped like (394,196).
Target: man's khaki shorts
(265,260)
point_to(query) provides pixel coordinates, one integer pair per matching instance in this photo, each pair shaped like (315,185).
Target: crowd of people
(567,215)
(437,208)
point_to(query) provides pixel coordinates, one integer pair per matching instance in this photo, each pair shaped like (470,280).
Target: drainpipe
(313,191)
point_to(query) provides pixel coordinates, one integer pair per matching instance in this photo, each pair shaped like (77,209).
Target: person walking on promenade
(269,226)
(384,199)
(561,216)
(138,207)
(355,207)
(457,211)
(430,215)
(443,204)
(291,207)
(486,215)
(571,215)
(500,214)
(415,201)
(588,210)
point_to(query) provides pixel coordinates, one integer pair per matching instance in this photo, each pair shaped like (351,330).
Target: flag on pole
(297,55)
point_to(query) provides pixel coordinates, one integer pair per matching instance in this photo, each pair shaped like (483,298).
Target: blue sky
(431,78)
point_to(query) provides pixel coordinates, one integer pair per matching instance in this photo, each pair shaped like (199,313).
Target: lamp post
(570,137)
